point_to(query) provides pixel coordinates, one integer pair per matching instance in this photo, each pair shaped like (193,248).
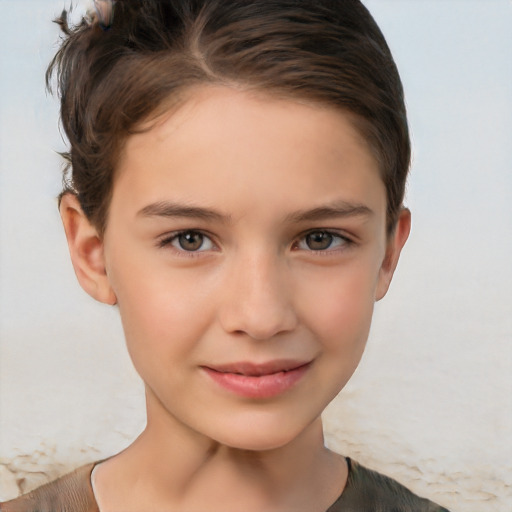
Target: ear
(394,247)
(86,250)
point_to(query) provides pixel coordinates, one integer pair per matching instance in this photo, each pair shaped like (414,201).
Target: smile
(258,380)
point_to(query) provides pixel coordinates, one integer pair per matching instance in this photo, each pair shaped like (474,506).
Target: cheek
(159,312)
(341,306)
(338,312)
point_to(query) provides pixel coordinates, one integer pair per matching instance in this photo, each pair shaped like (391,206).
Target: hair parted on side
(325,51)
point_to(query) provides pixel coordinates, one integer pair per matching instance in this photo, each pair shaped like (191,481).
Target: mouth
(258,380)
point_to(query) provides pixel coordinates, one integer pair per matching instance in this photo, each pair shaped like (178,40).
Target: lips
(258,380)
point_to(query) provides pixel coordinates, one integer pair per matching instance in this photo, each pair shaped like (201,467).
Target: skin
(248,285)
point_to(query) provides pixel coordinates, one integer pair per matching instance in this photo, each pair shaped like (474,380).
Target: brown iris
(319,240)
(190,240)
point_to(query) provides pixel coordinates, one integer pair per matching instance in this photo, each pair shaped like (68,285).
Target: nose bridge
(258,300)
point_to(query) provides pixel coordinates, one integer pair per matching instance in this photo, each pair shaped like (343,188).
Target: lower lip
(263,386)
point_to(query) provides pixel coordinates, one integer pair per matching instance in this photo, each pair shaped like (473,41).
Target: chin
(258,443)
(259,434)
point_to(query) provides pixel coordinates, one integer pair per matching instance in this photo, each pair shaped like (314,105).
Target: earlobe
(394,248)
(86,251)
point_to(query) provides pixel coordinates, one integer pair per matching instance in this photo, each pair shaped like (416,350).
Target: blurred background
(431,403)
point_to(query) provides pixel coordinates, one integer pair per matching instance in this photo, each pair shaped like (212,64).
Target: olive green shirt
(365,491)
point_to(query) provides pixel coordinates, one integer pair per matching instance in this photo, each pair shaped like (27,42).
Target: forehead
(207,106)
(244,140)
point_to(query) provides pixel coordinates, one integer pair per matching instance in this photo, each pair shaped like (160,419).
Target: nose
(257,299)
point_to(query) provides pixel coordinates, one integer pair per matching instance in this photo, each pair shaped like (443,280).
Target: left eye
(321,241)
(189,241)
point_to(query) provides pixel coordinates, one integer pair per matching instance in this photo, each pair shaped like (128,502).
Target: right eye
(188,241)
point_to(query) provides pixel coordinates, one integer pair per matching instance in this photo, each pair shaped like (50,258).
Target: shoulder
(72,493)
(370,490)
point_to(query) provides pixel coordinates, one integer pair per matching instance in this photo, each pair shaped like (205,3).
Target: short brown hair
(111,79)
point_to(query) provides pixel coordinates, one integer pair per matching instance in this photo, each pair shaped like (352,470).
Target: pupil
(319,240)
(191,241)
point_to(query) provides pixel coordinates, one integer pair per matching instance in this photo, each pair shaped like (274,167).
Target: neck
(174,467)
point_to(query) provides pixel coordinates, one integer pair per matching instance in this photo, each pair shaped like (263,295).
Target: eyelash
(344,242)
(167,241)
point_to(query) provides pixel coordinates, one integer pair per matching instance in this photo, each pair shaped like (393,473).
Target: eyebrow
(335,209)
(171,209)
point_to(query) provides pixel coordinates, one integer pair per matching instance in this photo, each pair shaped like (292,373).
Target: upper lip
(258,369)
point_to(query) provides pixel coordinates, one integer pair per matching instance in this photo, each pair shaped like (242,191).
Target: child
(237,172)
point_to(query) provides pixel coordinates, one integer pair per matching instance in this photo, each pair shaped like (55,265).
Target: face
(246,247)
